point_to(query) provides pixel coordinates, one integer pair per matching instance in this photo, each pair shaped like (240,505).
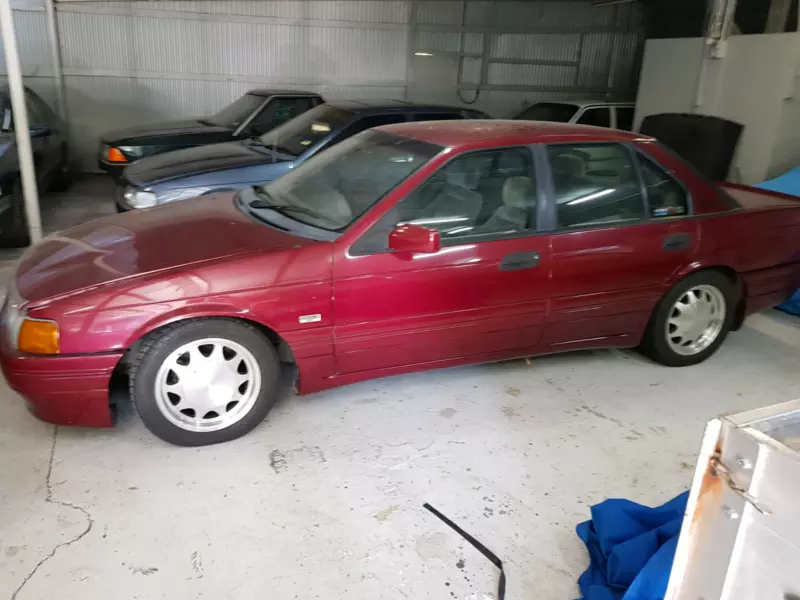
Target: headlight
(181,194)
(140,199)
(13,313)
(132,151)
(34,336)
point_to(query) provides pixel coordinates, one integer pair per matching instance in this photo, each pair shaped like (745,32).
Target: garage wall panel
(263,51)
(552,47)
(367,11)
(130,62)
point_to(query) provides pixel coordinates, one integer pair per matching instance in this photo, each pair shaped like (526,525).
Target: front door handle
(678,241)
(520,260)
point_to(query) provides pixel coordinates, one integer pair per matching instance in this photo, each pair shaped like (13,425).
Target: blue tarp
(788,183)
(631,548)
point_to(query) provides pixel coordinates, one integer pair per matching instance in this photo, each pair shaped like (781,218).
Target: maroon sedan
(405,248)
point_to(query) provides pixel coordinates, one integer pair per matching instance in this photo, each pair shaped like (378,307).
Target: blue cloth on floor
(788,183)
(631,548)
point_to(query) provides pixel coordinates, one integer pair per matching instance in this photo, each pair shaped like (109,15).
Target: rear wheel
(205,381)
(691,321)
(64,176)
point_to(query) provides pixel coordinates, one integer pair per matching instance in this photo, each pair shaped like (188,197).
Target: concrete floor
(324,500)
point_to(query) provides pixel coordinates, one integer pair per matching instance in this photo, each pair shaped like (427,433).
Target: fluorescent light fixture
(459,230)
(320,127)
(438,221)
(422,54)
(594,196)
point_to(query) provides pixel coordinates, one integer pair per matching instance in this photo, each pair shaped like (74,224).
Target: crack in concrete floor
(50,499)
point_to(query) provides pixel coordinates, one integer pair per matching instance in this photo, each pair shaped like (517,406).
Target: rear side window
(548,111)
(625,118)
(665,196)
(599,117)
(594,184)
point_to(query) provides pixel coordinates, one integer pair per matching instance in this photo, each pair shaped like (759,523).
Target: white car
(617,115)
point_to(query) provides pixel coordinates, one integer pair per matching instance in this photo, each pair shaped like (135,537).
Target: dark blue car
(219,167)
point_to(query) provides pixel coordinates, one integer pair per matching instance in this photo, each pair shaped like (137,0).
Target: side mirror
(413,238)
(38,131)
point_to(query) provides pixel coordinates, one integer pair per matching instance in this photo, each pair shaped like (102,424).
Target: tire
(64,175)
(173,357)
(676,350)
(13,222)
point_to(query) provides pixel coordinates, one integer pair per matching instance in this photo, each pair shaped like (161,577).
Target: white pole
(21,127)
(55,58)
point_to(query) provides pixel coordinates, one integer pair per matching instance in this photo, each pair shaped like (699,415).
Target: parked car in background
(208,169)
(616,115)
(405,248)
(51,156)
(253,114)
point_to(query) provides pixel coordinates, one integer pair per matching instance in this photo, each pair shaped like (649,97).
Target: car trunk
(751,198)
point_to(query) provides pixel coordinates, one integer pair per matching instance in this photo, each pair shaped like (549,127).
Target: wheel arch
(282,346)
(740,309)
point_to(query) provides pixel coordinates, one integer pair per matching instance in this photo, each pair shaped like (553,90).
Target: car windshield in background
(296,136)
(335,188)
(548,111)
(235,114)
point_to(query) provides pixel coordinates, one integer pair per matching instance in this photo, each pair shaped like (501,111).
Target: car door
(45,136)
(620,234)
(483,293)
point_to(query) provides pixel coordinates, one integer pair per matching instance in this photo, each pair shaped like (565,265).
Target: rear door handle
(520,260)
(678,241)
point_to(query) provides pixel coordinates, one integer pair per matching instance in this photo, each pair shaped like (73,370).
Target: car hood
(143,242)
(164,131)
(202,159)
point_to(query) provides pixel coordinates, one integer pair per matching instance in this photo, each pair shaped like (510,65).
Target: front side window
(280,110)
(598,117)
(665,196)
(38,109)
(301,133)
(235,114)
(548,111)
(489,193)
(35,116)
(594,184)
(330,191)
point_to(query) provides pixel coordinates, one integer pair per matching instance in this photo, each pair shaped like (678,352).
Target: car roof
(581,102)
(383,104)
(270,92)
(478,133)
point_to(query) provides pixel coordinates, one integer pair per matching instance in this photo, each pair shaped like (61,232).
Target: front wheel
(691,321)
(205,381)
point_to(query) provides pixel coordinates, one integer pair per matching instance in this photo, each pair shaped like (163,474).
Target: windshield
(235,114)
(548,111)
(297,135)
(333,189)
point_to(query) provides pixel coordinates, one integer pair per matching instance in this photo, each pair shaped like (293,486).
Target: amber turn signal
(115,155)
(38,337)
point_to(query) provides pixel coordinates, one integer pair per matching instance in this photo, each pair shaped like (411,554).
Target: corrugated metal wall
(130,62)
